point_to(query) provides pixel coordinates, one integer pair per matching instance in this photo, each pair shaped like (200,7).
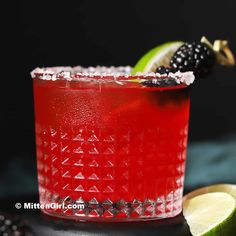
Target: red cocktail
(115,148)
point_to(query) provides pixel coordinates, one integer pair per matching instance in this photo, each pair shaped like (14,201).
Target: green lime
(213,213)
(158,56)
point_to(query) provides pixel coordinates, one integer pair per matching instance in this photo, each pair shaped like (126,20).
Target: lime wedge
(158,56)
(212,213)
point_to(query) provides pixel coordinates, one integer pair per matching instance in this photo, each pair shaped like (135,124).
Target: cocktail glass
(108,148)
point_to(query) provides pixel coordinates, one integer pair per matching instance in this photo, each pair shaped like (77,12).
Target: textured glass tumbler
(110,152)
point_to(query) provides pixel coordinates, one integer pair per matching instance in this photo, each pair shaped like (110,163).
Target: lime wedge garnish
(158,56)
(212,213)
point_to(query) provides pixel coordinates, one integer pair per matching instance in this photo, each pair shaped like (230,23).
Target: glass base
(106,210)
(102,219)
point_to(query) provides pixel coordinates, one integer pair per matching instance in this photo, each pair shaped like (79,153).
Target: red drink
(116,150)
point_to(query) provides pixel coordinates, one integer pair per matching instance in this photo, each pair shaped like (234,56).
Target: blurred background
(89,33)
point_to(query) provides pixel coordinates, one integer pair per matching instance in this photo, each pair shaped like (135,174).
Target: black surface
(42,225)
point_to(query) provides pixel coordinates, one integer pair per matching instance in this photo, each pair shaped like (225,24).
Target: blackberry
(13,226)
(195,56)
(165,70)
(160,82)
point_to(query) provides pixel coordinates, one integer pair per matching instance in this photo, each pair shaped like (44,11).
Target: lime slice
(212,213)
(158,56)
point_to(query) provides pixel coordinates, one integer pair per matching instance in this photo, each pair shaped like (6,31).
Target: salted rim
(101,74)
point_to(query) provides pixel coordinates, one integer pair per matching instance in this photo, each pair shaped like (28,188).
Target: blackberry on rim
(195,56)
(201,57)
(165,70)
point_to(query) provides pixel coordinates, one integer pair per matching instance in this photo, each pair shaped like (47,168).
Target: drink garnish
(156,57)
(198,57)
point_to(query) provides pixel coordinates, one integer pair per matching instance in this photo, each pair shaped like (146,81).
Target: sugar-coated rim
(101,74)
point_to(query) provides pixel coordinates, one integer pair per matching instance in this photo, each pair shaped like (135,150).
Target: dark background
(108,32)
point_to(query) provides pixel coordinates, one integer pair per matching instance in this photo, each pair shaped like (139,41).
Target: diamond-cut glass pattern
(113,176)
